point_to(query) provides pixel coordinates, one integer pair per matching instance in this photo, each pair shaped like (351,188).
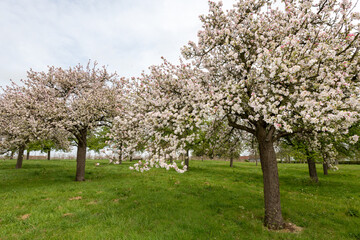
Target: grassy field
(211,201)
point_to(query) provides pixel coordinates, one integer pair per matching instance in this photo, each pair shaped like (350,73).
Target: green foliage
(202,144)
(297,149)
(218,140)
(212,201)
(34,146)
(348,150)
(44,146)
(97,139)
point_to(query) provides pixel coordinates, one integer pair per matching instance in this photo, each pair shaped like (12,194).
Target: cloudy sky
(126,35)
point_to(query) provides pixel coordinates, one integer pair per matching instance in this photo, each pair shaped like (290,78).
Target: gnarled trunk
(81,155)
(273,216)
(20,157)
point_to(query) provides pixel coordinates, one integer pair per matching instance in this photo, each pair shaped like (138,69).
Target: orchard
(281,73)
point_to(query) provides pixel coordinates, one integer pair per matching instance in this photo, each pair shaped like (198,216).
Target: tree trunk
(325,168)
(27,155)
(171,159)
(254,151)
(273,216)
(231,159)
(120,154)
(48,155)
(81,155)
(312,168)
(187,159)
(12,155)
(20,157)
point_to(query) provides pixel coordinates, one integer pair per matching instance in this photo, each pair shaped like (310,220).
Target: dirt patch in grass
(24,217)
(92,203)
(75,198)
(291,228)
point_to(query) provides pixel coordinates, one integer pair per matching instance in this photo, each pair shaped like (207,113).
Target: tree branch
(238,126)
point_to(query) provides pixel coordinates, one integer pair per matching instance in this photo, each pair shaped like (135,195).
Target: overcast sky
(126,35)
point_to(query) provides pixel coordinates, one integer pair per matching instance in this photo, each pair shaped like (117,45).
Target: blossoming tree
(75,100)
(158,115)
(20,124)
(16,121)
(273,72)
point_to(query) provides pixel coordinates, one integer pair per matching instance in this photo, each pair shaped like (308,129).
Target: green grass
(211,201)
